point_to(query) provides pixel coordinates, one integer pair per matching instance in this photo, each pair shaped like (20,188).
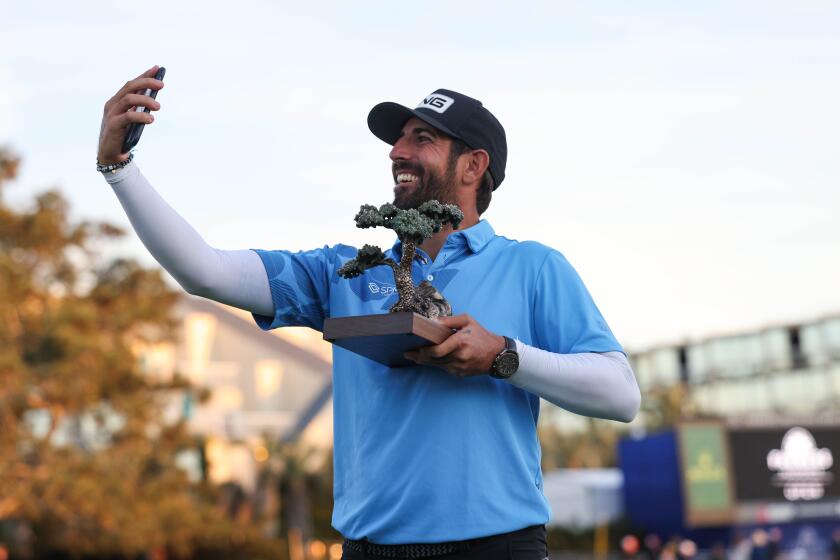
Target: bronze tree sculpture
(412,226)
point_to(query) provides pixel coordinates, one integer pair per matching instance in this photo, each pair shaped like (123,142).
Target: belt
(426,550)
(420,550)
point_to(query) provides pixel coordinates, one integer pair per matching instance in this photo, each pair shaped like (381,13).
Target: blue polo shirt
(422,455)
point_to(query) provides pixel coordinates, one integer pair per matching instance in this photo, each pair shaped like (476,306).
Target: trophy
(409,323)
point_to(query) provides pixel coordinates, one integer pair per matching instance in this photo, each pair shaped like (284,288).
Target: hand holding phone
(125,109)
(136,128)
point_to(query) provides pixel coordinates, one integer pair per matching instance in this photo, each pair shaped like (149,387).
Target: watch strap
(510,344)
(500,367)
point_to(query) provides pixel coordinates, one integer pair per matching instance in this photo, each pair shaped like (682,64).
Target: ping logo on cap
(436,102)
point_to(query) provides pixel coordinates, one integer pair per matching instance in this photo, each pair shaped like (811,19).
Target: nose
(400,149)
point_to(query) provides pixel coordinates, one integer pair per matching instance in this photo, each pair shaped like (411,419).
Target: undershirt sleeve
(237,278)
(587,383)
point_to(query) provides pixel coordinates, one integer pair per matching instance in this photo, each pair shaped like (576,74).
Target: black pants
(525,544)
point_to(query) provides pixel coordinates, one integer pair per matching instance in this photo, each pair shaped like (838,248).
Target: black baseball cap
(454,114)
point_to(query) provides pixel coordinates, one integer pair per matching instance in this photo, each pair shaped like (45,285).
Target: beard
(431,187)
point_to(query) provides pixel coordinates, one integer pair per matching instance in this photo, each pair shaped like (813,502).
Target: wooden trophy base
(384,337)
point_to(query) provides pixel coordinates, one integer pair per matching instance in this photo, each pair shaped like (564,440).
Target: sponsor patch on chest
(380,288)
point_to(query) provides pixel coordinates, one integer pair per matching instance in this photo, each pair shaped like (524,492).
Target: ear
(476,164)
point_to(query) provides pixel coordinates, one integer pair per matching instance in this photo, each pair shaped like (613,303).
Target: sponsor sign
(706,474)
(794,464)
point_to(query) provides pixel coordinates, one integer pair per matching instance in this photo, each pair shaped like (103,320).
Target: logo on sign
(436,102)
(706,469)
(801,466)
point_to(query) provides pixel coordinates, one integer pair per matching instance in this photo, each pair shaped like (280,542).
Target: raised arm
(236,278)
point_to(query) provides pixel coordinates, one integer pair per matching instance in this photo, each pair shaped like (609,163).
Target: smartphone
(136,129)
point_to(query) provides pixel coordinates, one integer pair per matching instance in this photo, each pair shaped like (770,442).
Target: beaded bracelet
(112,168)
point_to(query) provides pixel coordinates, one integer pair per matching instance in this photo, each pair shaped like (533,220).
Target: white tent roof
(583,498)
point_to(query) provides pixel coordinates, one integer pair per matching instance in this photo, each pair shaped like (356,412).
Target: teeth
(405,177)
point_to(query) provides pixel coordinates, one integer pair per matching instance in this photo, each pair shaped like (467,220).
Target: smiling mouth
(405,178)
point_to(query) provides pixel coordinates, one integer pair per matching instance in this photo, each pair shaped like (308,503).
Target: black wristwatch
(507,362)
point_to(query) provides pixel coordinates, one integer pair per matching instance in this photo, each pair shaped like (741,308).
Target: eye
(423,138)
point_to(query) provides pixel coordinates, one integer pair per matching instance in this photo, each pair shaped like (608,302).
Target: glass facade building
(791,369)
(788,369)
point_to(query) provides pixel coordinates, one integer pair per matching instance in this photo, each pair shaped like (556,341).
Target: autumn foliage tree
(87,455)
(412,226)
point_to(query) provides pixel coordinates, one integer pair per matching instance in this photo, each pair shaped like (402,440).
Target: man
(441,459)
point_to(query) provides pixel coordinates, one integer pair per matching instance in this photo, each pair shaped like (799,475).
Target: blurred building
(584,498)
(791,369)
(757,385)
(751,439)
(264,387)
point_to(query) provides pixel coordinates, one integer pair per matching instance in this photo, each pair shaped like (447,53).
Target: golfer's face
(419,155)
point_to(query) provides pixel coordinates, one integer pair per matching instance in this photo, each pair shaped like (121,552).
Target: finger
(136,85)
(445,348)
(134,100)
(120,122)
(150,72)
(446,362)
(140,85)
(455,321)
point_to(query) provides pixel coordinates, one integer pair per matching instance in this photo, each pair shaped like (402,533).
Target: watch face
(506,364)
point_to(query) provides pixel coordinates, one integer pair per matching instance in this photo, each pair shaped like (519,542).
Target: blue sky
(683,156)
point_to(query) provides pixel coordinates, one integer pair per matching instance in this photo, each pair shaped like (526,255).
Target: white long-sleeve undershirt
(591,384)
(587,383)
(235,278)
